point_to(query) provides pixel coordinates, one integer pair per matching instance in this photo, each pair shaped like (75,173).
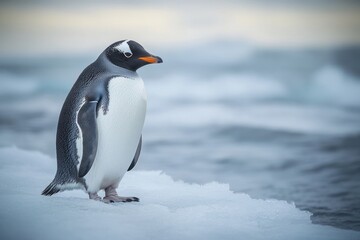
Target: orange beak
(151,59)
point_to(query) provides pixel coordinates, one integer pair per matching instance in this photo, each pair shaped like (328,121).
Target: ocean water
(273,123)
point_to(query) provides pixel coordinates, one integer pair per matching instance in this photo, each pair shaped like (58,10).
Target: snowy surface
(167,209)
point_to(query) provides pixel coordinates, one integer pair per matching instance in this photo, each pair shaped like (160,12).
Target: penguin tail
(51,189)
(55,187)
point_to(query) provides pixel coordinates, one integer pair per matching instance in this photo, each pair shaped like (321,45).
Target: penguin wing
(87,122)
(137,154)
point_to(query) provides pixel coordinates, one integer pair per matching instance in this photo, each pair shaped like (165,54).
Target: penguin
(99,132)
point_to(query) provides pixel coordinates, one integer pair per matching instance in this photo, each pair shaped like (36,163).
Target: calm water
(271,123)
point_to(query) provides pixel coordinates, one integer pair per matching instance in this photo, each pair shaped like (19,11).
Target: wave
(326,103)
(13,85)
(331,85)
(328,85)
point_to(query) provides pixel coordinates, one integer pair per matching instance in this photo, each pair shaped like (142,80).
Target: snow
(167,209)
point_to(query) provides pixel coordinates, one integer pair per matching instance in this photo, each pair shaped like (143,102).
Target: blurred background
(263,95)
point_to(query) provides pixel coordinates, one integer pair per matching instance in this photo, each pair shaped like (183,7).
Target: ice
(167,209)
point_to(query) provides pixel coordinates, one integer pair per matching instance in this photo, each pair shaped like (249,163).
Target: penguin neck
(114,69)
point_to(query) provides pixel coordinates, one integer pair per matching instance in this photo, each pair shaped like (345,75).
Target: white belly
(119,131)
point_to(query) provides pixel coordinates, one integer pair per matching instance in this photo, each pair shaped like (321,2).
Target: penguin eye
(128,54)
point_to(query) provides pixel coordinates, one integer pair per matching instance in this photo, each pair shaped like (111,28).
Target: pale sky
(46,29)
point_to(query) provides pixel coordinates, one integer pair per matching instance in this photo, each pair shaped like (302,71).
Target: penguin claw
(112,196)
(114,199)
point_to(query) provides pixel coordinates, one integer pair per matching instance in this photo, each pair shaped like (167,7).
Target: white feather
(124,48)
(70,186)
(79,140)
(119,131)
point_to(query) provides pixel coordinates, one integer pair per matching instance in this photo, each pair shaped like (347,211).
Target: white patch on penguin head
(124,48)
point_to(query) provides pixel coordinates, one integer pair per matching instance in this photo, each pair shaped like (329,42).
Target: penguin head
(130,55)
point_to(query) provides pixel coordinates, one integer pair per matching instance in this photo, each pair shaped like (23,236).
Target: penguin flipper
(137,154)
(87,122)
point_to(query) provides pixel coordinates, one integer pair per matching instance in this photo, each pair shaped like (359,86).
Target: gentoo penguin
(99,130)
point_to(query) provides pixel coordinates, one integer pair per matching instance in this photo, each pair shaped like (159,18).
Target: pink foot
(94,196)
(112,196)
